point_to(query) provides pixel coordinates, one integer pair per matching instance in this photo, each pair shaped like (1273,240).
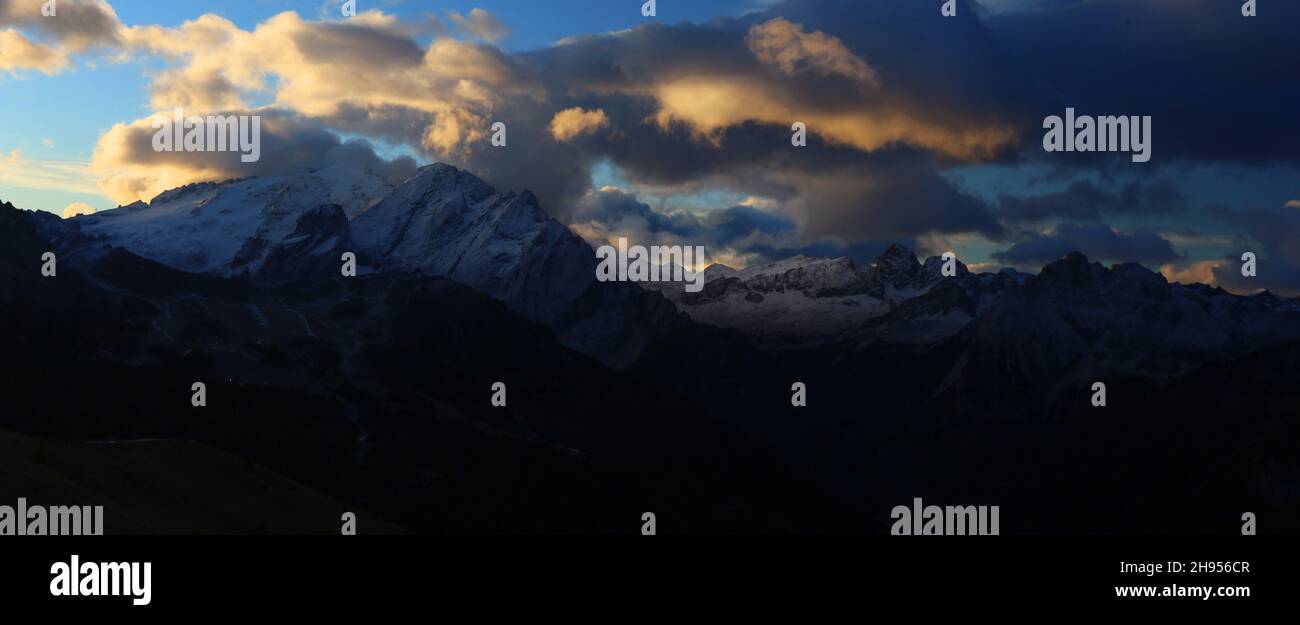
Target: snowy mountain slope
(803,300)
(445,222)
(1126,318)
(790,301)
(441,222)
(228,228)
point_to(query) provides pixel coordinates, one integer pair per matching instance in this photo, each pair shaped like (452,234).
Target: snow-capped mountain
(445,222)
(231,227)
(792,300)
(1120,317)
(803,300)
(442,222)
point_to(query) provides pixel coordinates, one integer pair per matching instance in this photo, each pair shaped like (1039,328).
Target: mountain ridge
(446,222)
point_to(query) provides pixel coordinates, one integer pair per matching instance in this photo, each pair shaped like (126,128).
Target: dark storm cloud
(738,222)
(1275,233)
(955,68)
(618,209)
(829,185)
(760,235)
(862,251)
(958,73)
(1087,201)
(1097,241)
(1220,87)
(745,229)
(888,195)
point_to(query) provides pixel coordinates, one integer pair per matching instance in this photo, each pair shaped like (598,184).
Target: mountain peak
(441,178)
(223,228)
(934,267)
(782,266)
(900,268)
(896,253)
(1137,273)
(717,271)
(1073,268)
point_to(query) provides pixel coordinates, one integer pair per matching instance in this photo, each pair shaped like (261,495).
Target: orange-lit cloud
(79,26)
(1195,273)
(572,123)
(18,53)
(710,102)
(77,208)
(794,51)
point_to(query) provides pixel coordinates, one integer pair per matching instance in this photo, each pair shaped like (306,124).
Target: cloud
(1097,241)
(741,234)
(1201,272)
(481,24)
(787,46)
(737,236)
(610,213)
(16,170)
(19,53)
(1273,234)
(795,75)
(77,25)
(129,169)
(77,208)
(743,223)
(336,71)
(720,117)
(887,195)
(574,122)
(1085,200)
(1158,62)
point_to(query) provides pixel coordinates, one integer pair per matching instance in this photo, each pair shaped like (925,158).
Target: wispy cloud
(16,170)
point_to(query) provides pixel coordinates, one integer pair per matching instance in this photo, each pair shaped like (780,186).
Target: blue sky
(534,23)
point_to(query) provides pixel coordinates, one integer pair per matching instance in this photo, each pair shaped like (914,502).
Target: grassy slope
(168,487)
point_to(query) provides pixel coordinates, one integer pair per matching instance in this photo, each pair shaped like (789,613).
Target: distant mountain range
(626,397)
(447,223)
